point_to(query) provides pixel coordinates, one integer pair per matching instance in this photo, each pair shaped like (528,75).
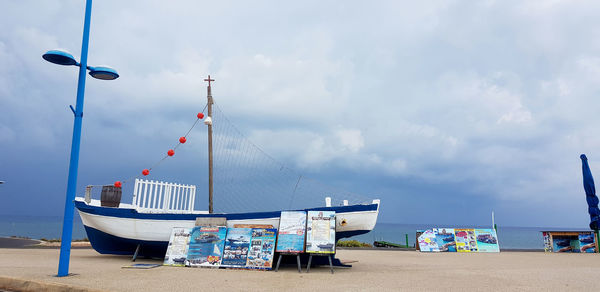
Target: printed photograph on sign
(262,248)
(237,244)
(444,237)
(472,240)
(427,241)
(320,232)
(178,247)
(565,243)
(206,246)
(487,240)
(291,234)
(547,243)
(587,243)
(462,238)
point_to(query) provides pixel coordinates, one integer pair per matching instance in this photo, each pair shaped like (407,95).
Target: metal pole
(210,152)
(67,231)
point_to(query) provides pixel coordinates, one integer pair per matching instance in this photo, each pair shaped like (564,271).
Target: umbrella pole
(597,240)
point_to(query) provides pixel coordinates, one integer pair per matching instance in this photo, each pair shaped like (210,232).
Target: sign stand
(297,260)
(310,261)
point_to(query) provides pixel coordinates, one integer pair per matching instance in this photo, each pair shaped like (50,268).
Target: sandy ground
(376,270)
(19,242)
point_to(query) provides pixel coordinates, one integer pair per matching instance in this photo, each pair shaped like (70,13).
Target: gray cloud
(489,102)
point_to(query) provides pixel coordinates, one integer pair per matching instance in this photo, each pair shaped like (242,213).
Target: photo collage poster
(262,248)
(587,242)
(444,237)
(459,240)
(206,246)
(292,231)
(320,232)
(465,240)
(487,240)
(427,241)
(237,244)
(178,247)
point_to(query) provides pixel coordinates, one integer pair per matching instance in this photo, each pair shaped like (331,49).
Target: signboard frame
(320,232)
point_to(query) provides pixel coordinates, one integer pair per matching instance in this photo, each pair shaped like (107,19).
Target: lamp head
(104,73)
(59,57)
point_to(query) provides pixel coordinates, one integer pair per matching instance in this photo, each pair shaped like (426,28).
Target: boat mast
(210,154)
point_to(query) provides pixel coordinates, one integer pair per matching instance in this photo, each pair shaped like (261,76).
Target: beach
(373,270)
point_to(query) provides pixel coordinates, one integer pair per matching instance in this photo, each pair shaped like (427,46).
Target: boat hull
(121,230)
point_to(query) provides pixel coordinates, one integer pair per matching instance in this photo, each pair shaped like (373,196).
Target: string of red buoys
(170,152)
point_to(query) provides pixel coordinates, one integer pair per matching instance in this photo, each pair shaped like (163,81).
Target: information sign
(320,232)
(291,235)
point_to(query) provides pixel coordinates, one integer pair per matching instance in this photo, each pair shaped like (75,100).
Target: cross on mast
(210,154)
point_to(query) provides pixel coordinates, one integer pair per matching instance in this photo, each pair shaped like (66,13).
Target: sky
(444,110)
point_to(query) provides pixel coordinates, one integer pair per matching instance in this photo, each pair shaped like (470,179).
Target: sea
(50,227)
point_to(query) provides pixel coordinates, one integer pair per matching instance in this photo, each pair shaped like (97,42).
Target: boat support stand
(135,254)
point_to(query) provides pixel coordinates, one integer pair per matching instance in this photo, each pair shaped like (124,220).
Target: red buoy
(200,115)
(145,172)
(171,152)
(182,140)
(118,184)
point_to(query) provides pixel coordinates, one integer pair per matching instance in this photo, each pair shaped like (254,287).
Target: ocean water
(508,237)
(37,227)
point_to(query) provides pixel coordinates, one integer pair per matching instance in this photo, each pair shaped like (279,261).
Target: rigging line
(230,167)
(243,136)
(258,149)
(294,192)
(249,147)
(222,176)
(160,161)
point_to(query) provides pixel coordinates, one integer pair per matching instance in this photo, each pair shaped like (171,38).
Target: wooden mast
(210,153)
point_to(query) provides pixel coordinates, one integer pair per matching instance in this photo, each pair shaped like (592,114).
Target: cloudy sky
(444,110)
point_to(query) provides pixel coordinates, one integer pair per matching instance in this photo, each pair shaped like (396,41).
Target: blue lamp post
(104,73)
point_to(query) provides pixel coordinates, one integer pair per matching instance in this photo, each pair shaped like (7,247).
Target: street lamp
(64,58)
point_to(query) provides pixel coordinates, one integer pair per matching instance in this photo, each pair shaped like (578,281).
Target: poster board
(444,237)
(487,240)
(320,232)
(459,240)
(587,242)
(427,242)
(206,246)
(547,243)
(262,248)
(292,231)
(465,240)
(570,241)
(237,244)
(564,243)
(178,247)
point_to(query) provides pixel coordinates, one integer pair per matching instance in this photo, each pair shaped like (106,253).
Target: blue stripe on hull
(131,213)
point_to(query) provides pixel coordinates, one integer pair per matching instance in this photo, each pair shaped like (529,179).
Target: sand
(376,270)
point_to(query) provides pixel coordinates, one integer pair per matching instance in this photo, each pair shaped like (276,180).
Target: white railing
(157,196)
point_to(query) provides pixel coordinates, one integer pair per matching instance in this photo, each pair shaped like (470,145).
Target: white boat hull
(120,230)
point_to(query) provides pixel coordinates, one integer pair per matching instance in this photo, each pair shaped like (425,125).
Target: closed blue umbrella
(590,193)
